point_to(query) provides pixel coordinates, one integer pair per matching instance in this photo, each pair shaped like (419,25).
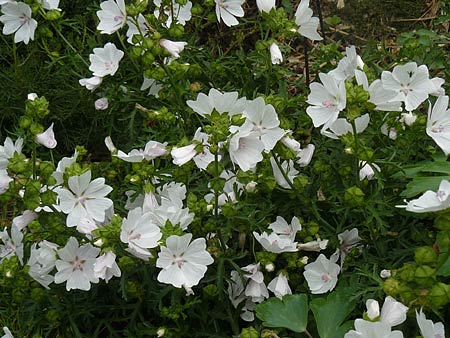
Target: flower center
(118,18)
(325,277)
(438,129)
(178,260)
(133,236)
(328,103)
(77,264)
(109,65)
(441,195)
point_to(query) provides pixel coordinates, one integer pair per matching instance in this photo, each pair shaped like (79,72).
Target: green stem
(355,137)
(216,203)
(69,44)
(34,160)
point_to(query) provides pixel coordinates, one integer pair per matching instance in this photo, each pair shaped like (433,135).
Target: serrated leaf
(330,313)
(290,312)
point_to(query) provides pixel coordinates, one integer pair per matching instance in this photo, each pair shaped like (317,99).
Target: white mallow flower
(7,332)
(288,169)
(280,286)
(152,150)
(438,90)
(275,54)
(428,329)
(245,148)
(13,245)
(264,121)
(134,30)
(23,220)
(8,149)
(183,263)
(291,143)
(228,102)
(342,127)
(367,170)
(347,65)
(184,154)
(42,262)
(383,99)
(321,275)
(307,23)
(304,156)
(181,14)
(140,233)
(85,199)
(101,103)
(228,10)
(392,313)
(64,163)
(171,209)
(4,181)
(112,15)
(91,83)
(17,19)
(50,4)
(76,265)
(316,245)
(326,100)
(256,289)
(265,5)
(438,124)
(430,201)
(152,85)
(236,289)
(105,61)
(411,83)
(366,329)
(408,118)
(348,240)
(173,47)
(274,243)
(47,138)
(105,266)
(285,230)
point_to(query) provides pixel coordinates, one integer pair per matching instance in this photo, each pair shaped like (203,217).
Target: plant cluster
(238,200)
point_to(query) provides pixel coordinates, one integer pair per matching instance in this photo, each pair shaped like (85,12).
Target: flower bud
(439,295)
(391,286)
(249,332)
(101,104)
(425,255)
(354,196)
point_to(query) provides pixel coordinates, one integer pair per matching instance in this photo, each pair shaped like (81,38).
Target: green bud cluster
(249,332)
(356,100)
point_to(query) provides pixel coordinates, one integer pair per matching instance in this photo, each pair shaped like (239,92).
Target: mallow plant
(256,208)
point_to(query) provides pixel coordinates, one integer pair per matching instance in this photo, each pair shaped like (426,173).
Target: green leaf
(444,269)
(290,312)
(422,184)
(330,313)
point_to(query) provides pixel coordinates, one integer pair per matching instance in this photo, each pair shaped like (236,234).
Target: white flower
(105,61)
(228,10)
(140,233)
(275,243)
(236,289)
(134,30)
(7,334)
(171,209)
(105,266)
(327,100)
(373,309)
(23,220)
(367,170)
(173,47)
(288,169)
(182,14)
(366,329)
(347,65)
(265,5)
(430,201)
(292,144)
(306,22)
(152,150)
(8,149)
(245,148)
(4,181)
(285,230)
(408,118)
(112,16)
(348,240)
(13,245)
(183,264)
(50,4)
(101,103)
(316,245)
(321,275)
(256,289)
(342,127)
(411,83)
(110,145)
(383,99)
(438,90)
(428,329)
(305,155)
(280,286)
(385,273)
(153,86)
(64,163)
(183,155)
(438,124)
(17,19)
(32,96)
(47,138)
(91,83)
(221,102)
(76,265)
(393,313)
(42,262)
(264,121)
(85,199)
(275,54)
